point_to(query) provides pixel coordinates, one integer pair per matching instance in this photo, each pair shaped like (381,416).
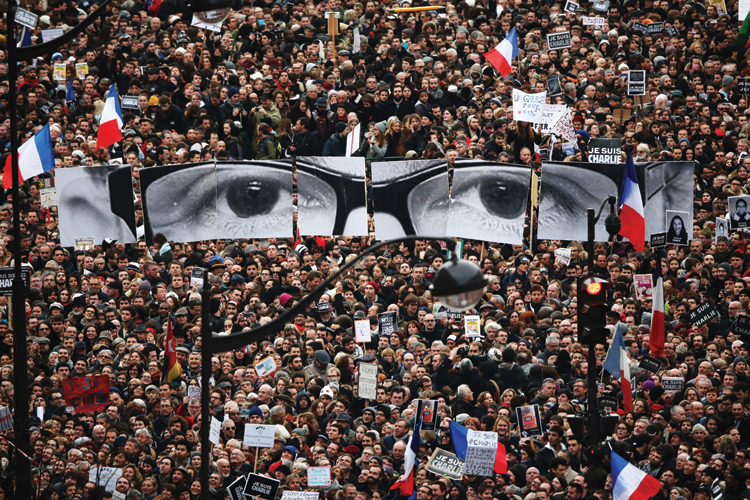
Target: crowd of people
(272,83)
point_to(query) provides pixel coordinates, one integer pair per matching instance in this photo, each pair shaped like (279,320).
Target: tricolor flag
(657,314)
(459,435)
(171,372)
(70,97)
(35,157)
(110,124)
(501,57)
(743,39)
(406,482)
(618,364)
(633,224)
(631,483)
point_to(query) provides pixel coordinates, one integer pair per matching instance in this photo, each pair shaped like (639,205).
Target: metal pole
(205,382)
(592,408)
(20,369)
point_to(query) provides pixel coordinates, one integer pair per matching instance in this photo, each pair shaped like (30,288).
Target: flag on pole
(70,97)
(459,436)
(501,57)
(631,483)
(633,223)
(657,313)
(618,364)
(110,124)
(352,141)
(406,482)
(24,37)
(171,372)
(35,157)
(743,39)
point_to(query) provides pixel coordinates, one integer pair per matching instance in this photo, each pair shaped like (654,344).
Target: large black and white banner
(410,197)
(96,202)
(230,200)
(569,189)
(493,197)
(331,196)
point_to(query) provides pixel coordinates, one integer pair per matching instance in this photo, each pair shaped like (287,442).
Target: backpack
(275,142)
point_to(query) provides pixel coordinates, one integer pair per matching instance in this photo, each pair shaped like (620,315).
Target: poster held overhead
(677,227)
(739,217)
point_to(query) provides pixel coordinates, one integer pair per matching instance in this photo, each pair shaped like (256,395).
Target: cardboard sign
(215,431)
(741,327)
(129,102)
(593,21)
(529,421)
(262,486)
(266,366)
(702,314)
(428,409)
(644,286)
(605,151)
(319,476)
(6,419)
(87,394)
(387,322)
(105,476)
(51,34)
(560,40)
(722,226)
(362,330)
(472,326)
(6,279)
(259,435)
(26,18)
(443,463)
(367,387)
(672,383)
(236,490)
(528,107)
(571,6)
(636,82)
(651,364)
(82,69)
(481,453)
(658,240)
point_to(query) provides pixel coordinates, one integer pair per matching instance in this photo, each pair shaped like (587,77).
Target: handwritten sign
(367,387)
(593,21)
(528,107)
(481,452)
(319,476)
(51,34)
(215,431)
(362,330)
(87,394)
(300,495)
(447,464)
(644,286)
(105,476)
(259,435)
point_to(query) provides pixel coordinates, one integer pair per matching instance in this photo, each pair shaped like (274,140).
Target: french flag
(406,483)
(633,224)
(618,365)
(459,436)
(656,341)
(110,124)
(501,57)
(35,157)
(631,483)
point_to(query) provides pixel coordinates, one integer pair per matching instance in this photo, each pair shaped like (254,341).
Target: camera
(463,351)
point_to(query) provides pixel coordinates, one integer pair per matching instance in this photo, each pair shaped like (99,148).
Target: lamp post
(458,283)
(18,312)
(612,223)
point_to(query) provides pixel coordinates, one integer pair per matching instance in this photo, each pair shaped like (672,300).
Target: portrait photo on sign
(410,197)
(569,189)
(677,227)
(739,216)
(491,195)
(331,196)
(96,202)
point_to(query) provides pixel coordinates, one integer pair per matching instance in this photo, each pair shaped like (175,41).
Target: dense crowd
(272,83)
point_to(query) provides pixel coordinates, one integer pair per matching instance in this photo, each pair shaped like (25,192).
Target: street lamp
(458,283)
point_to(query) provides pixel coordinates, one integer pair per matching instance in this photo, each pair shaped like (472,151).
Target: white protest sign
(356,44)
(319,476)
(266,366)
(300,495)
(593,21)
(551,114)
(362,330)
(216,27)
(744,9)
(564,128)
(6,419)
(562,255)
(215,431)
(528,107)
(194,391)
(480,454)
(196,276)
(367,387)
(48,196)
(105,476)
(722,228)
(49,35)
(259,435)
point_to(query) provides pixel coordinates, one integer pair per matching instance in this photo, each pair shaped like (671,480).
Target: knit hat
(232,92)
(374,285)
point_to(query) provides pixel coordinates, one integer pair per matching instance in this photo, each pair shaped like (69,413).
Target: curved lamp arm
(223,343)
(42,49)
